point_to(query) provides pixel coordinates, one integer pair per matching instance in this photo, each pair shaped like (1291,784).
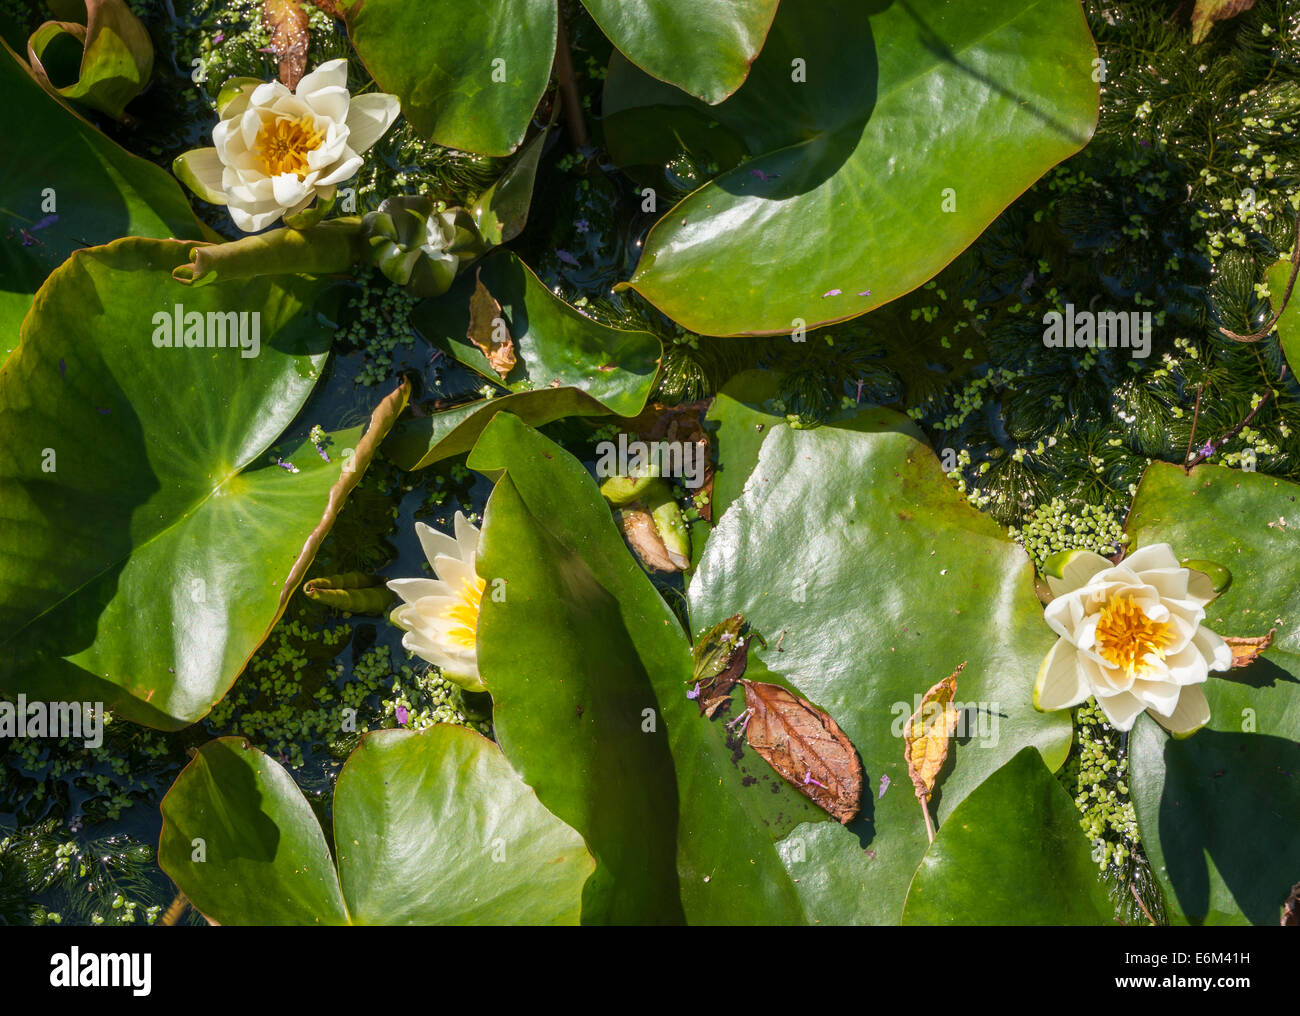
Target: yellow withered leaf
(925,738)
(1245,651)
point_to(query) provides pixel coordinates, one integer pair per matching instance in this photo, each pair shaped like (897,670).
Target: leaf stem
(929,822)
(569,88)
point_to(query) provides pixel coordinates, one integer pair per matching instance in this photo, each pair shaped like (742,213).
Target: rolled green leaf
(354,592)
(331,247)
(116,60)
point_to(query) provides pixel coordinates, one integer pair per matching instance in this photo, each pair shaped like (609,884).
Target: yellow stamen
(465,612)
(283,144)
(1125,635)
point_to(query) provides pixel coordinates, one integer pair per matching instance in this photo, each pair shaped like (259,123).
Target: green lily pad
(704,48)
(568,364)
(1011,854)
(470,73)
(1219,812)
(574,644)
(923,119)
(849,550)
(63,185)
(116,55)
(149,536)
(430,828)
(589,671)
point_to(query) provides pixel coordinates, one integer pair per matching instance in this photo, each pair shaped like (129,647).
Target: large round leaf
(589,669)
(872,579)
(429,828)
(904,130)
(244,845)
(704,48)
(147,534)
(469,73)
(1011,853)
(568,364)
(1219,811)
(589,673)
(574,645)
(64,185)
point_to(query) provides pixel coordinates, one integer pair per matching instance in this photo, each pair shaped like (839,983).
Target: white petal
(1191,713)
(1121,710)
(330,103)
(250,126)
(255,217)
(1060,683)
(434,542)
(467,537)
(369,116)
(289,190)
(1217,653)
(331,74)
(1158,696)
(1078,573)
(202,171)
(1064,615)
(342,169)
(454,571)
(266,94)
(1156,555)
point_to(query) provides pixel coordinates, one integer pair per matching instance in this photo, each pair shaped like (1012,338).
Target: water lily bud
(419,247)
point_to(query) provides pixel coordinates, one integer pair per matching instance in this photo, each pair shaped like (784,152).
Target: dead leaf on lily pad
(1291,909)
(925,739)
(488,331)
(806,747)
(286,22)
(1207,12)
(638,528)
(1246,651)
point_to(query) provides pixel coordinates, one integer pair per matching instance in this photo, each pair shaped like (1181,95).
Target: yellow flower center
(465,612)
(1125,635)
(283,144)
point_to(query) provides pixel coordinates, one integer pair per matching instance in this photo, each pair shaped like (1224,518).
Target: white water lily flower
(276,150)
(1131,635)
(440,616)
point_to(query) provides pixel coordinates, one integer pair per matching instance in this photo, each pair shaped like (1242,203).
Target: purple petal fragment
(884,785)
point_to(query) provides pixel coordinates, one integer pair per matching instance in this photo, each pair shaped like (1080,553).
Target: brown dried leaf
(1207,12)
(806,747)
(1291,909)
(1246,651)
(925,738)
(710,706)
(488,331)
(639,529)
(286,21)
